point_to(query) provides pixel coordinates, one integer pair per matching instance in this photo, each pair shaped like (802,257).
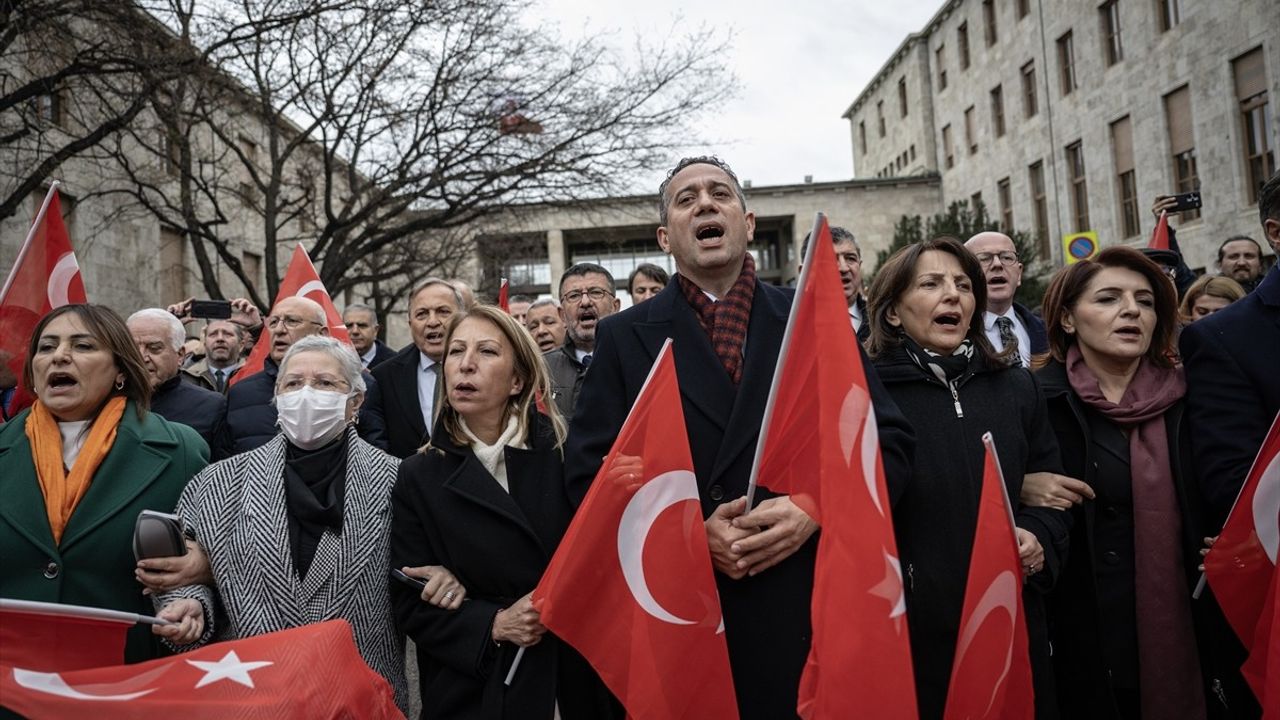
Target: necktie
(1009,340)
(220,379)
(586,361)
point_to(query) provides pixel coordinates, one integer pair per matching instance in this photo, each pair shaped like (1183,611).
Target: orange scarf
(62,490)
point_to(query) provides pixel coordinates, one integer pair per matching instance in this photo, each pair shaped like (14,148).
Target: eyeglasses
(575,296)
(290,322)
(1006,257)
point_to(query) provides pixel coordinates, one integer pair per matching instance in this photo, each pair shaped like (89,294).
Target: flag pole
(801,283)
(26,245)
(36,607)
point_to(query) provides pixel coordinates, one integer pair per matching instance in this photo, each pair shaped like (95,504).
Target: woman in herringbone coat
(296,531)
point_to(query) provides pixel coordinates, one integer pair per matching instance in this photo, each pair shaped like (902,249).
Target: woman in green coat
(78,466)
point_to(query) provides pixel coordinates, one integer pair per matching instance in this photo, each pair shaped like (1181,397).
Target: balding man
(1006,322)
(160,336)
(362,326)
(251,414)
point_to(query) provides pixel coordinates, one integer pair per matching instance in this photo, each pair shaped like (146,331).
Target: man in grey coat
(587,296)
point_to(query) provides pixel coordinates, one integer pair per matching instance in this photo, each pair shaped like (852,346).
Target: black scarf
(946,368)
(315,483)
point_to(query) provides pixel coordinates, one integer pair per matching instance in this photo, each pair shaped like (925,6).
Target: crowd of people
(1126,412)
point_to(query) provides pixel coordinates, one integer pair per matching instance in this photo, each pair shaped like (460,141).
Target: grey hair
(177,332)
(544,302)
(457,296)
(336,349)
(664,202)
(362,308)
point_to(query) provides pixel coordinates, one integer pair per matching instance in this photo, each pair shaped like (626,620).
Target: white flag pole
(78,611)
(801,284)
(26,245)
(511,674)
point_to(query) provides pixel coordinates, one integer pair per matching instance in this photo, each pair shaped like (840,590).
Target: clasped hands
(748,543)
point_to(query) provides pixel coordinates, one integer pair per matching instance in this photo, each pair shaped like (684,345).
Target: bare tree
(375,130)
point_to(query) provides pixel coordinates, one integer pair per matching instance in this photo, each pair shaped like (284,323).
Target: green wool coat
(149,464)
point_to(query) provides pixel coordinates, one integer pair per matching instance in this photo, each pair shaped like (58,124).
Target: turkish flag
(45,276)
(54,637)
(991,674)
(1262,669)
(631,584)
(504,300)
(1243,560)
(1160,236)
(301,280)
(313,671)
(823,449)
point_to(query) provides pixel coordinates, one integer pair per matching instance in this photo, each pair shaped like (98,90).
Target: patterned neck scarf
(725,321)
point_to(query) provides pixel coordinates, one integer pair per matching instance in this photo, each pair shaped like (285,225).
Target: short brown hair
(896,276)
(109,329)
(1070,282)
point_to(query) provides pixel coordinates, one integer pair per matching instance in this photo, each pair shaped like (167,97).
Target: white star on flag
(228,668)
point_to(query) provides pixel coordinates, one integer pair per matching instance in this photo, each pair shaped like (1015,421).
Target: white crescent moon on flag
(53,684)
(1002,593)
(1266,508)
(310,287)
(64,271)
(857,415)
(643,509)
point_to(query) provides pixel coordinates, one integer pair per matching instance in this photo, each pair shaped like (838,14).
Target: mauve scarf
(1168,665)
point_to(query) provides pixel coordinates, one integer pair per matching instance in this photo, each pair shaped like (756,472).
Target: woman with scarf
(1122,616)
(486,499)
(929,347)
(297,531)
(78,466)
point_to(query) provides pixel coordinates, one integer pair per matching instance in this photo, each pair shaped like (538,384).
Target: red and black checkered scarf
(725,321)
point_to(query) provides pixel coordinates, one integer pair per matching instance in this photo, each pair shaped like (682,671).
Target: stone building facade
(1072,115)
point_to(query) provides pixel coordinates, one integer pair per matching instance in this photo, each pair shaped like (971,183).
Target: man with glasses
(251,415)
(1007,322)
(587,295)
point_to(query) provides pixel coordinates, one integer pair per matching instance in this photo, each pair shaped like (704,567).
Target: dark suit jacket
(1035,329)
(398,403)
(1233,394)
(204,411)
(148,466)
(767,616)
(381,354)
(447,509)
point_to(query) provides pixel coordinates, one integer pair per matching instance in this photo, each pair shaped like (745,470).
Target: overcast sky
(799,63)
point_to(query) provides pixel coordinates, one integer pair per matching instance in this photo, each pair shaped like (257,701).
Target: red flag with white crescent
(1241,563)
(1262,669)
(631,585)
(823,449)
(55,637)
(300,280)
(308,671)
(991,673)
(45,276)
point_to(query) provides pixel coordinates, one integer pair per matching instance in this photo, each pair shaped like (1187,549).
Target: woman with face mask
(296,531)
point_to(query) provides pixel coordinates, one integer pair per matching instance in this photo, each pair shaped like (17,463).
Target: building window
(1024,8)
(169,153)
(970,135)
(975,201)
(1005,198)
(1126,179)
(1039,206)
(997,111)
(1182,144)
(989,21)
(862,136)
(962,39)
(51,108)
(912,150)
(1029,106)
(940,60)
(1079,188)
(1255,117)
(1112,50)
(1170,13)
(880,116)
(251,263)
(902,97)
(1067,63)
(948,149)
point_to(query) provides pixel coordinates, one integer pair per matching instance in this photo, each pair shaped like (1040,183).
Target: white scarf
(494,457)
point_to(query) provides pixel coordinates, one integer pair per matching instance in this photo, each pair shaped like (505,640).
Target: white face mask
(311,418)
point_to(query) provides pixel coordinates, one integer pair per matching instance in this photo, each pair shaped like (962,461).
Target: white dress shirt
(427,369)
(993,333)
(367,358)
(855,317)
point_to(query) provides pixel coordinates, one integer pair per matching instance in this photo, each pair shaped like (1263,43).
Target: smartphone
(211,309)
(1187,201)
(413,582)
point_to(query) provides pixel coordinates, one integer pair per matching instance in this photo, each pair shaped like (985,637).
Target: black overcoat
(398,402)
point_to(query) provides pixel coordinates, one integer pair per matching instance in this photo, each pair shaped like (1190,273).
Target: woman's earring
(120,384)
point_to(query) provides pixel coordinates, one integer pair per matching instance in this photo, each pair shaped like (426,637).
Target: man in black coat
(410,382)
(1004,320)
(849,262)
(159,336)
(765,583)
(251,412)
(362,326)
(1232,392)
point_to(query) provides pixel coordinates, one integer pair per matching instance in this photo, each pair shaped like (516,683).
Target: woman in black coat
(486,500)
(1116,404)
(928,345)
